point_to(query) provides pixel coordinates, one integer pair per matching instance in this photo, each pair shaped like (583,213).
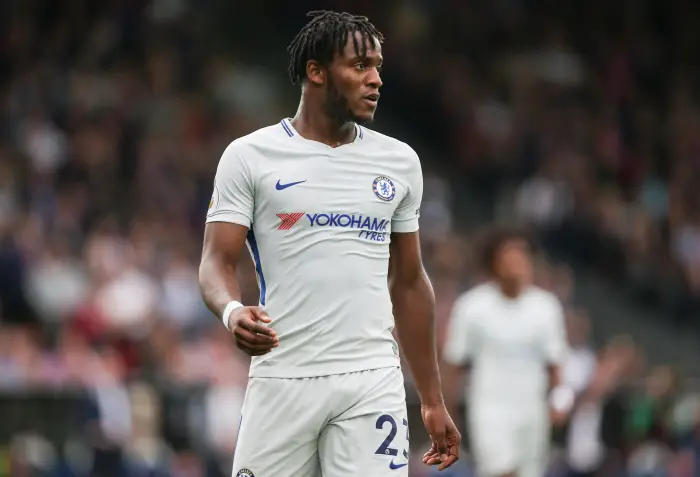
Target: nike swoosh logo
(393,466)
(279,186)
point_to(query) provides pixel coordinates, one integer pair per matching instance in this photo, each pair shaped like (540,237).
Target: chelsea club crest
(384,188)
(245,473)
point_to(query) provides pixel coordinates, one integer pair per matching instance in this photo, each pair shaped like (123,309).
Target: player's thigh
(535,445)
(279,430)
(493,442)
(371,437)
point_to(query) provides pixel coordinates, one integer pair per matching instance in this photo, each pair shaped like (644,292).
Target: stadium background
(577,118)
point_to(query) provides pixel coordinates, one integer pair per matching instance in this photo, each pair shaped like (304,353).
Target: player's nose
(374,80)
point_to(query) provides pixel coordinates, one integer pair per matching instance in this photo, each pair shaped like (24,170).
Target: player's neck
(318,126)
(511,290)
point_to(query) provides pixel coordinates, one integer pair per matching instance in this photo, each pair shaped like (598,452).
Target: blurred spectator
(581,361)
(545,200)
(650,410)
(596,436)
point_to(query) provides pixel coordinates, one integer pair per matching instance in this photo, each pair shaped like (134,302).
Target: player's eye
(360,66)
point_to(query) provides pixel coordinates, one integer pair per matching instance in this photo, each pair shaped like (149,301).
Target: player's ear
(315,72)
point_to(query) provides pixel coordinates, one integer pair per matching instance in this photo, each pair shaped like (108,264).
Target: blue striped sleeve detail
(255,252)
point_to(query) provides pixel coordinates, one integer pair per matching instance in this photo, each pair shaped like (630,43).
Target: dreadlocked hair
(325,35)
(493,240)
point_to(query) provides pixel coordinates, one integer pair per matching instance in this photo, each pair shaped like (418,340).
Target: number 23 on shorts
(384,421)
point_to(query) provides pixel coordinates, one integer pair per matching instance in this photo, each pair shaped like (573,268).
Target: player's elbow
(213,270)
(401,275)
(453,369)
(412,291)
(205,276)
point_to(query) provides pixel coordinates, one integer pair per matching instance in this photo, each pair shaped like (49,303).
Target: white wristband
(232,305)
(562,398)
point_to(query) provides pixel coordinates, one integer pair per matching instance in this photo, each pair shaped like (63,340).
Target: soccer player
(510,334)
(329,211)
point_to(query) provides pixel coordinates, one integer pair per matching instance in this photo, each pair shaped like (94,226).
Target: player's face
(352,90)
(514,262)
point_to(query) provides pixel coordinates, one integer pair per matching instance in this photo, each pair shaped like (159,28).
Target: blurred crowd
(582,115)
(579,119)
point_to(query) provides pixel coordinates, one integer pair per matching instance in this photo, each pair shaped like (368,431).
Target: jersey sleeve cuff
(230,217)
(556,359)
(404,226)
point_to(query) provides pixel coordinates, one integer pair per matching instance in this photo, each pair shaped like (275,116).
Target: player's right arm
(458,351)
(229,219)
(218,283)
(562,397)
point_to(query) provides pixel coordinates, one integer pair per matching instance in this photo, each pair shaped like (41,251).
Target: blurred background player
(510,335)
(329,211)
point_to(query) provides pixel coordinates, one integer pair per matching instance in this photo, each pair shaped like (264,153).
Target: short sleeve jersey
(320,221)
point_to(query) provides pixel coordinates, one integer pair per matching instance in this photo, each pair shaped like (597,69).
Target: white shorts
(509,442)
(341,425)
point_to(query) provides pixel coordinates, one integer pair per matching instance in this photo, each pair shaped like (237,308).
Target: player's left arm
(413,302)
(561,397)
(411,292)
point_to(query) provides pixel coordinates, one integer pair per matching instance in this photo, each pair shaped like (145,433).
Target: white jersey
(320,220)
(508,343)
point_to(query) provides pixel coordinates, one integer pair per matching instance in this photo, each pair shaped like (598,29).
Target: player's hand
(252,336)
(446,438)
